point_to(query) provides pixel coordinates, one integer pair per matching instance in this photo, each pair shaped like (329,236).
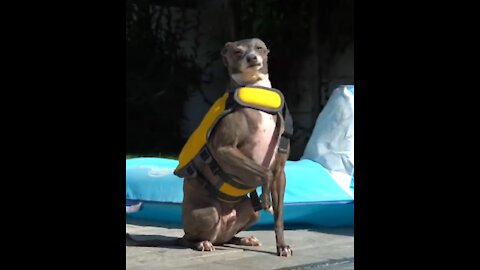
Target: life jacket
(195,156)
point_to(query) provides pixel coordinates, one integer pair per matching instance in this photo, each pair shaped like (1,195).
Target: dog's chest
(265,140)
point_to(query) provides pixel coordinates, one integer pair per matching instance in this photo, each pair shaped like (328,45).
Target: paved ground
(313,248)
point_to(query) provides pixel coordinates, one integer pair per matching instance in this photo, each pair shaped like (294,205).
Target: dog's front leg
(278,192)
(265,198)
(236,163)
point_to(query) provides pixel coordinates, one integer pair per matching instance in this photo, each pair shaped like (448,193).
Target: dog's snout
(252,59)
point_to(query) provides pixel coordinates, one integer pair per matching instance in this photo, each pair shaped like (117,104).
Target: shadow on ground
(346,231)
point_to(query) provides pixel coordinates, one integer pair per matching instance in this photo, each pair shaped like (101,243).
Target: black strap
(204,157)
(288,122)
(288,132)
(283,145)
(216,170)
(188,170)
(255,201)
(214,192)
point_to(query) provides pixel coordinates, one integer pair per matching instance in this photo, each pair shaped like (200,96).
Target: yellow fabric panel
(253,96)
(233,191)
(260,97)
(199,137)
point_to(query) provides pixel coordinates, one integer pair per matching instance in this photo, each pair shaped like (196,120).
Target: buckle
(205,155)
(283,145)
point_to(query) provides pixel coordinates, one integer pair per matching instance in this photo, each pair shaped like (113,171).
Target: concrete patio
(313,248)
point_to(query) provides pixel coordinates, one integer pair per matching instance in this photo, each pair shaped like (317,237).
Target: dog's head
(246,60)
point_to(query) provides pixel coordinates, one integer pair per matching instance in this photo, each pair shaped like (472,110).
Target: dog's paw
(267,207)
(266,202)
(245,241)
(284,251)
(205,246)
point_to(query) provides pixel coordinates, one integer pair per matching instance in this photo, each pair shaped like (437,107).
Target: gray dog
(245,144)
(247,148)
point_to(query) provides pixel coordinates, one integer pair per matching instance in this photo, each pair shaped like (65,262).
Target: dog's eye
(238,53)
(259,48)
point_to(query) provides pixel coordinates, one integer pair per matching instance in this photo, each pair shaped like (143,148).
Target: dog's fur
(244,143)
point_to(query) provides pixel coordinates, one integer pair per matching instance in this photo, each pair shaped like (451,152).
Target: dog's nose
(252,59)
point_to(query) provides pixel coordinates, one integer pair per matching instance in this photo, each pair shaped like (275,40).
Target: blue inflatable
(312,196)
(319,191)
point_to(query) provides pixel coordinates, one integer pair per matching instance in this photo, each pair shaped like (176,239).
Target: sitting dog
(247,148)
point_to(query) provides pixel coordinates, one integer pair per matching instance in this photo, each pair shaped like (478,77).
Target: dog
(245,145)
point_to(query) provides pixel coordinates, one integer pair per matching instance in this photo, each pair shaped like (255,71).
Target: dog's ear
(224,52)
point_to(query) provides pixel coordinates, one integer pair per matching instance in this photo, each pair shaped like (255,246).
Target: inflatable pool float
(312,196)
(319,190)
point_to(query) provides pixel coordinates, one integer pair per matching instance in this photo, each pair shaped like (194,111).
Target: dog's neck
(236,81)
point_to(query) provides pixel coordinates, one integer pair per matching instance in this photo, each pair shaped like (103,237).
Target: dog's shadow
(145,240)
(249,248)
(345,230)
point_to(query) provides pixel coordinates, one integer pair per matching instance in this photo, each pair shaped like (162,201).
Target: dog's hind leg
(245,212)
(245,241)
(201,227)
(197,245)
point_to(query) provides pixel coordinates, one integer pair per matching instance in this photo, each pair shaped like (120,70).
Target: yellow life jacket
(196,152)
